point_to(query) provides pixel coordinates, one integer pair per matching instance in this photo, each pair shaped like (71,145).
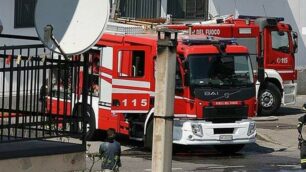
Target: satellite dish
(70,26)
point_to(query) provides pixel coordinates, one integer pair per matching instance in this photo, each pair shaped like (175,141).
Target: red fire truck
(215,91)
(267,37)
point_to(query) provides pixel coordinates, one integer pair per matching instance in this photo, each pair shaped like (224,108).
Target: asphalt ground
(276,149)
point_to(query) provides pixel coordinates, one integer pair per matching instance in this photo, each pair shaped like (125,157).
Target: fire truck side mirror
(295,42)
(186,73)
(186,78)
(261,74)
(295,36)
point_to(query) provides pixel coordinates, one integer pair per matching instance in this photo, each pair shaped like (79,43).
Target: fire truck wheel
(148,140)
(89,119)
(269,99)
(229,149)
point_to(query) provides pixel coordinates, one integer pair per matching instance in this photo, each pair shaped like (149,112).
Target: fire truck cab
(272,45)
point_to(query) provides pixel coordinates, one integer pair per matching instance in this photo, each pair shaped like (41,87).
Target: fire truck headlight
(178,122)
(197,130)
(252,128)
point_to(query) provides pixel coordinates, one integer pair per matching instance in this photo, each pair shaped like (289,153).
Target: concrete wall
(55,163)
(294,12)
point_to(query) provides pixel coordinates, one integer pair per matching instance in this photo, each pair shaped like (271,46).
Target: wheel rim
(267,99)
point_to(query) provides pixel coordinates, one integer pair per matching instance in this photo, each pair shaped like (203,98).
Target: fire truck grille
(225,114)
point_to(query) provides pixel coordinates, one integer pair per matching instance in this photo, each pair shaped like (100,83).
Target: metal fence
(38,91)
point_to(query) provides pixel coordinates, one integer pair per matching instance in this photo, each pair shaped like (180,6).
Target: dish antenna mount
(48,36)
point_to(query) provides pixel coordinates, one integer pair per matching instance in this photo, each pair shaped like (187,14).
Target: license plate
(225,137)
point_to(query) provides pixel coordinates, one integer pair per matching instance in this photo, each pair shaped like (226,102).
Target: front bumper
(188,132)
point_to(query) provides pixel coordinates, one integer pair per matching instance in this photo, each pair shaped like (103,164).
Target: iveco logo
(226,95)
(212,93)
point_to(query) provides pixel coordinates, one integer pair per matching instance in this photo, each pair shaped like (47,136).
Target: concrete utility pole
(164,102)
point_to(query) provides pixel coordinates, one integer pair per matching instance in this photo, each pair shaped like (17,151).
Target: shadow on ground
(186,152)
(252,158)
(286,111)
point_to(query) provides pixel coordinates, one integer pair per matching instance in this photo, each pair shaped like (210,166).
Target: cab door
(132,79)
(280,56)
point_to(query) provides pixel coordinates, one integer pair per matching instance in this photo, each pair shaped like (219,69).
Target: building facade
(17,16)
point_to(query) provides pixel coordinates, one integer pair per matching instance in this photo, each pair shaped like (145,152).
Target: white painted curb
(266,118)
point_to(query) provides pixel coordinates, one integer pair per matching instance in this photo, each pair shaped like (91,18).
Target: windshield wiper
(208,84)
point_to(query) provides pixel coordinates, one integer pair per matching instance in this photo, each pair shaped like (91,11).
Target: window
(131,63)
(24,13)
(93,71)
(138,63)
(280,41)
(196,8)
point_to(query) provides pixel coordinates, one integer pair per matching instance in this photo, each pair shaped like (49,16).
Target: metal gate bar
(38,91)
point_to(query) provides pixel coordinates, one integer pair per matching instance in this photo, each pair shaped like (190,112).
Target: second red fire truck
(272,45)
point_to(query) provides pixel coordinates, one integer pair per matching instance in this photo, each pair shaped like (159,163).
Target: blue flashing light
(228,41)
(209,41)
(278,19)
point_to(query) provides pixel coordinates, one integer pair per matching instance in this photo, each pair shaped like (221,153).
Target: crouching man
(302,142)
(111,152)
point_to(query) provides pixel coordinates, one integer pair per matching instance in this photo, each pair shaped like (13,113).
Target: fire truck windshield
(214,70)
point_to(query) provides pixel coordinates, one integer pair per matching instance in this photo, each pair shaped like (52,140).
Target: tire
(229,149)
(90,122)
(148,140)
(269,99)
